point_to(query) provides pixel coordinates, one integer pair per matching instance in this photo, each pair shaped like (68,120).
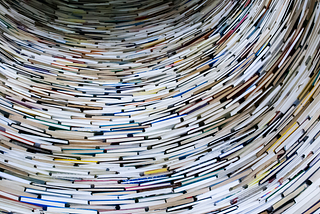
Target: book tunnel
(159,106)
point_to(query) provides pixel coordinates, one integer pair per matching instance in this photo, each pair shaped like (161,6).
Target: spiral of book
(159,106)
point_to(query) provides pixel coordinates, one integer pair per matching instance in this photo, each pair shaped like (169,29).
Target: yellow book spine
(156,171)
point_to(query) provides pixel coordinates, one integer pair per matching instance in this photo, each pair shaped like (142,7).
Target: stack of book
(171,106)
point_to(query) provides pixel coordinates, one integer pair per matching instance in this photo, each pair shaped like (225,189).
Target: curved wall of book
(172,106)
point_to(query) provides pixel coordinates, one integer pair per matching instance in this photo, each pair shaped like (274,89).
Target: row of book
(171,106)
